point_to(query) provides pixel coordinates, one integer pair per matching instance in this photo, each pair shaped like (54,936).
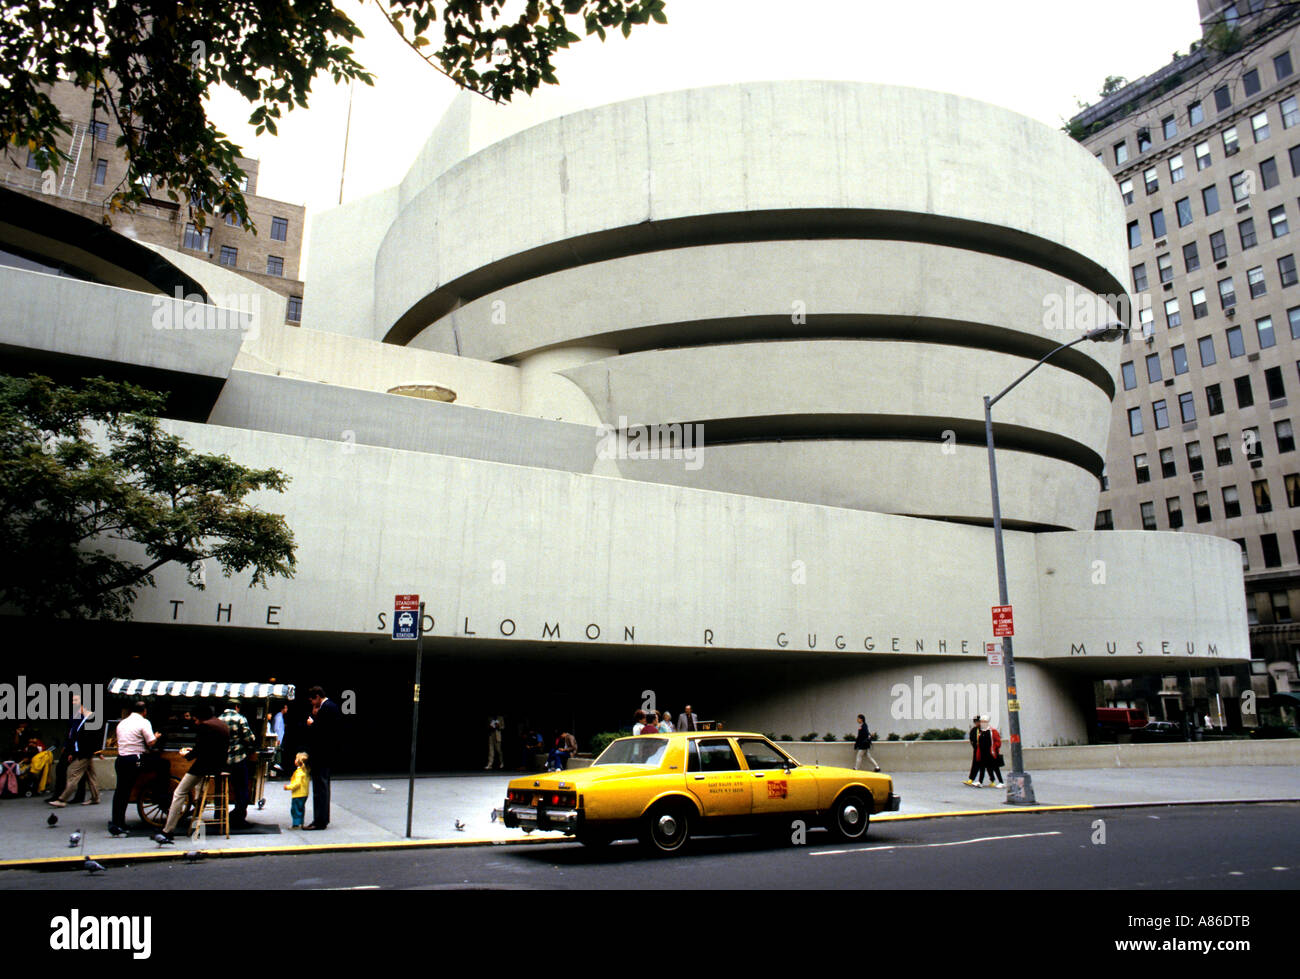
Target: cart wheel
(155,801)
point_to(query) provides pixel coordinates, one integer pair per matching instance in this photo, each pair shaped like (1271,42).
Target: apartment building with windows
(1206,152)
(97,168)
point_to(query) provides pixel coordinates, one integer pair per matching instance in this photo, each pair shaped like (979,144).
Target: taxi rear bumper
(537,817)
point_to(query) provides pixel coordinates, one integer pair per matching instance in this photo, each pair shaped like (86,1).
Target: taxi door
(715,777)
(773,788)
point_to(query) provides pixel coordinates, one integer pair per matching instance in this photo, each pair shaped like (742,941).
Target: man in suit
(322,751)
(688,720)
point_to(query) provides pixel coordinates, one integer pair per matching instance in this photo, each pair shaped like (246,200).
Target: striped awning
(199,688)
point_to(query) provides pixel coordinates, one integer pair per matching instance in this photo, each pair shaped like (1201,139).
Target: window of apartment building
(1206,347)
(1218,245)
(1134,234)
(1286,270)
(1223,450)
(1236,345)
(279,229)
(1160,412)
(1129,375)
(1282,65)
(1153,368)
(1147,320)
(1277,219)
(1246,229)
(1126,188)
(100,129)
(1172,314)
(1210,198)
(1294,153)
(1140,277)
(229,256)
(101,172)
(232,219)
(1293,318)
(1230,146)
(1195,113)
(1222,99)
(1167,466)
(1250,82)
(1144,140)
(197,240)
(31,160)
(1272,556)
(1262,499)
(1255,280)
(1158,223)
(1264,330)
(1176,172)
(1245,566)
(1174,507)
(1227,293)
(1292,483)
(1191,259)
(1140,468)
(1203,158)
(1285,435)
(1105,479)
(1268,175)
(1245,392)
(1165,267)
(1179,356)
(1187,406)
(294,314)
(1201,503)
(1259,126)
(1135,421)
(1251,444)
(1195,463)
(1240,184)
(1183,211)
(1168,127)
(1290,107)
(1281,606)
(1231,503)
(1105,521)
(1213,399)
(1273,383)
(1121,153)
(274,265)
(1148,511)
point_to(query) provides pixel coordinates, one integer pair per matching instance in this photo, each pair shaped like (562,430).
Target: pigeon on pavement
(93,866)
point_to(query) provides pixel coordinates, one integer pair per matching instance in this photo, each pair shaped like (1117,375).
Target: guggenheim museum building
(673,400)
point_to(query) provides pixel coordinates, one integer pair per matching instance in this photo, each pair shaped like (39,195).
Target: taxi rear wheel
(849,817)
(666,828)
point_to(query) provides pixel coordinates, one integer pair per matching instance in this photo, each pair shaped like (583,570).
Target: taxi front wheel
(849,817)
(666,828)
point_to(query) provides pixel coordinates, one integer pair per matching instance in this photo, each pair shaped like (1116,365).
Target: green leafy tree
(150,66)
(81,467)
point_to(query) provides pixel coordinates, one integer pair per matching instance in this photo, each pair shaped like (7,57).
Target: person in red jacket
(988,753)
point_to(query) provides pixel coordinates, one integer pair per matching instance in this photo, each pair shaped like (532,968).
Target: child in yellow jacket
(299,785)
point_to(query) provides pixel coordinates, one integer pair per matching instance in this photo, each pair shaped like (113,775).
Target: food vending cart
(171,706)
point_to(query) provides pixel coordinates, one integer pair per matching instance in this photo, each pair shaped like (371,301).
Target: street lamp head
(1105,334)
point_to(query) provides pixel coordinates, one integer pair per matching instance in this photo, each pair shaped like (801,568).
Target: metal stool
(216,793)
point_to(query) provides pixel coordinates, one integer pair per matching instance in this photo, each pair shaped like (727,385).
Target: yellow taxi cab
(662,789)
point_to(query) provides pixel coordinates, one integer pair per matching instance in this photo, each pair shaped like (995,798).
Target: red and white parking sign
(406,609)
(1002,624)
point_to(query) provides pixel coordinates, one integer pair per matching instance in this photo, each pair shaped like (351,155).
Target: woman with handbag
(989,754)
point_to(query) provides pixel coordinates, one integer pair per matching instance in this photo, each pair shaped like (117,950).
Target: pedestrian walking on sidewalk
(862,745)
(973,736)
(299,785)
(989,754)
(494,744)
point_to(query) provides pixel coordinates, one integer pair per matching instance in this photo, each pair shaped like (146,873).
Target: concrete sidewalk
(362,817)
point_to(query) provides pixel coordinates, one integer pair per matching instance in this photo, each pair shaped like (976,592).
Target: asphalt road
(1220,848)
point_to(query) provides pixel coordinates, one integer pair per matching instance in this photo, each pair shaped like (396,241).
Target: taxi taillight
(557,800)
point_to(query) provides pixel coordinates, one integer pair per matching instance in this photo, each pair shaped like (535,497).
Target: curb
(108,859)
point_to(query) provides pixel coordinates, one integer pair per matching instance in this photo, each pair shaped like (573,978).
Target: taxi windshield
(634,751)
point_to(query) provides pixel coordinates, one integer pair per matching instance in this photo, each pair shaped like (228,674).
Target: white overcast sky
(1032,56)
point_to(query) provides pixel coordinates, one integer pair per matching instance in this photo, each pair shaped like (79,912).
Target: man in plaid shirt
(239,758)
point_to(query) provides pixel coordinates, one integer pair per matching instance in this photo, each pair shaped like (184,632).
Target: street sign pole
(415,717)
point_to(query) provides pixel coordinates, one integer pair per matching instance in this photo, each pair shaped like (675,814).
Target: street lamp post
(1020,787)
